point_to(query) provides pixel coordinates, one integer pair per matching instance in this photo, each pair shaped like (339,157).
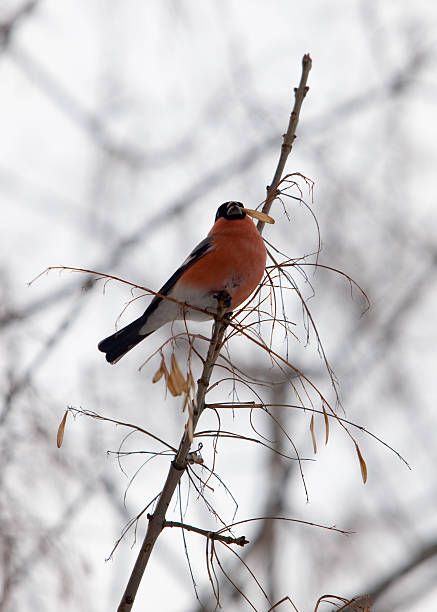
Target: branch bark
(289,137)
(8,26)
(212,535)
(178,465)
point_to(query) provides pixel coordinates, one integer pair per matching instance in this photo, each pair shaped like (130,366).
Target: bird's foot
(223,298)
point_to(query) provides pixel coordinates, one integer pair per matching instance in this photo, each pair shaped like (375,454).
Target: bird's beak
(256,214)
(233,210)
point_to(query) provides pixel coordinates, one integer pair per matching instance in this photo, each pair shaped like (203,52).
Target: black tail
(117,345)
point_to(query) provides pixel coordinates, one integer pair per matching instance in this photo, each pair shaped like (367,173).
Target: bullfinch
(230,261)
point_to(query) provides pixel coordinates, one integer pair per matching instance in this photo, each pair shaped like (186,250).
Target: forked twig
(212,535)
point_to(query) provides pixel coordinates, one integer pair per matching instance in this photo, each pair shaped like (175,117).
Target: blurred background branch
(107,112)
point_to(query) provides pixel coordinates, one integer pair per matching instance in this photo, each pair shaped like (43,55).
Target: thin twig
(212,535)
(99,417)
(289,137)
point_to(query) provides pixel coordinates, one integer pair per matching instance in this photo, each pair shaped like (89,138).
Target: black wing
(122,341)
(197,253)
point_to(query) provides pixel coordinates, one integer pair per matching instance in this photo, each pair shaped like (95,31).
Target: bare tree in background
(368,143)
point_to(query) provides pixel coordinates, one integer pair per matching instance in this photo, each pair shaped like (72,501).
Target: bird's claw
(223,298)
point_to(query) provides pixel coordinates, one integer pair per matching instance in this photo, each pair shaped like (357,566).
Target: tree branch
(177,467)
(212,535)
(8,26)
(179,464)
(424,554)
(289,137)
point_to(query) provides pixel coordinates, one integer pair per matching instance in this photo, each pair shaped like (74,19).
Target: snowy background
(123,126)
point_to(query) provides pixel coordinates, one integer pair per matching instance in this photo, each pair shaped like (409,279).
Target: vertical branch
(289,137)
(177,467)
(179,464)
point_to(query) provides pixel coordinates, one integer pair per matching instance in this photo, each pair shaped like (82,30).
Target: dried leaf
(160,372)
(312,434)
(363,465)
(190,388)
(169,380)
(171,385)
(174,379)
(256,214)
(61,428)
(176,374)
(325,416)
(186,400)
(190,381)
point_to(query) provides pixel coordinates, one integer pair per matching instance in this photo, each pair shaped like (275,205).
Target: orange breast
(236,263)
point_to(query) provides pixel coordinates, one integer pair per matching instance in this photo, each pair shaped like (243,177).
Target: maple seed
(160,372)
(61,428)
(363,465)
(312,434)
(256,214)
(176,375)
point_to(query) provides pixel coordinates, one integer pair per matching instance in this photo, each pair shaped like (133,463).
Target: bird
(229,262)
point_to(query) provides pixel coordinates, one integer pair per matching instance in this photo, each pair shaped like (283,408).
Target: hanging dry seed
(312,434)
(190,382)
(179,381)
(363,465)
(160,371)
(256,214)
(61,428)
(171,385)
(174,380)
